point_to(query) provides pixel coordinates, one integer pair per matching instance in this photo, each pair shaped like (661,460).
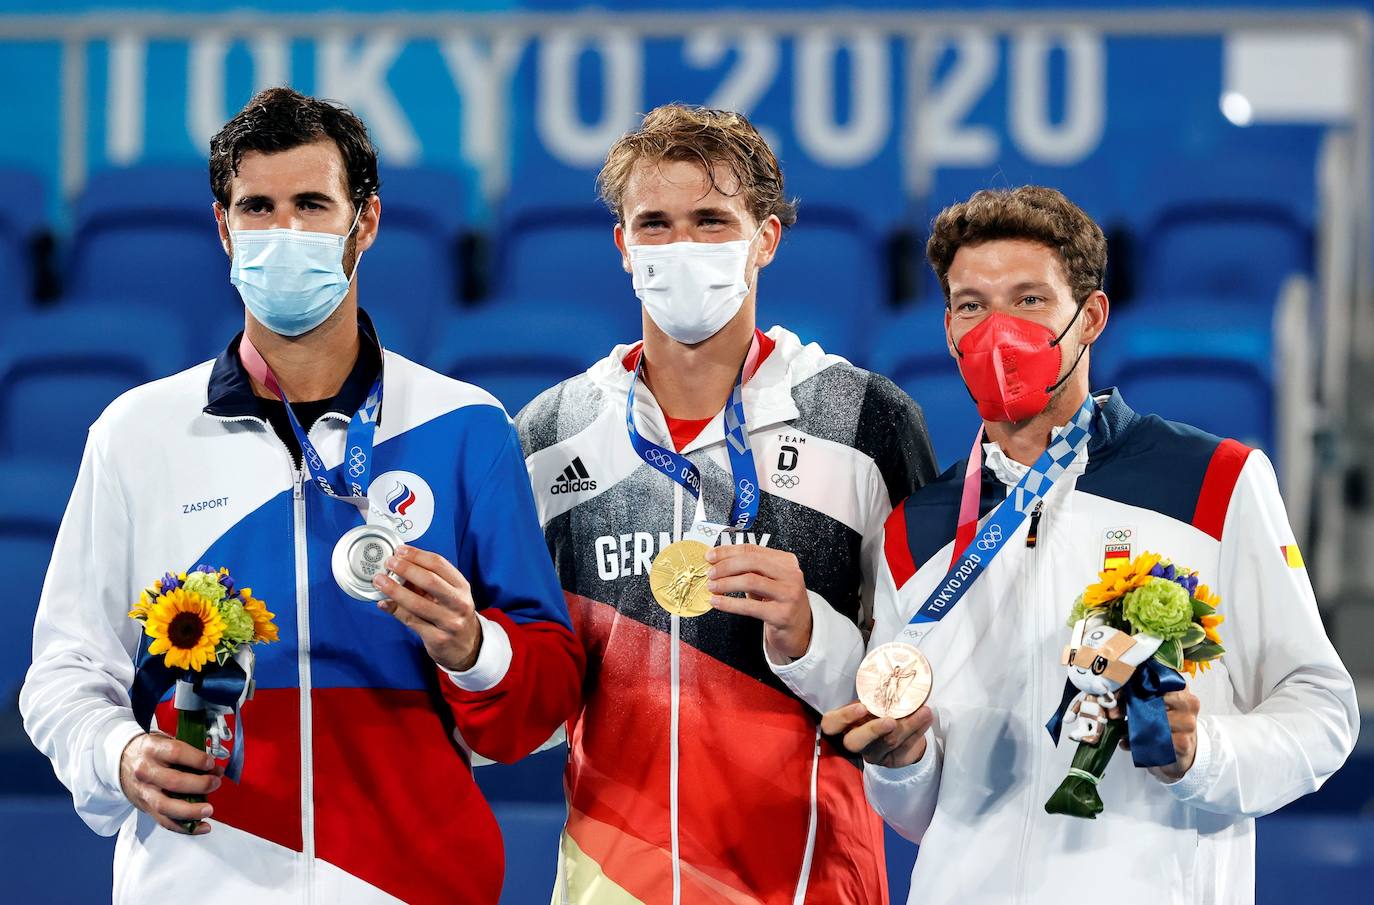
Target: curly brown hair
(1030,212)
(279,119)
(708,137)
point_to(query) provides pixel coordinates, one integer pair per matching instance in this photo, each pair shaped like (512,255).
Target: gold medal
(678,578)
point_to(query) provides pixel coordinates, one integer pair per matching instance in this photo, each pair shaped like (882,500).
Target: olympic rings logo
(662,460)
(357,461)
(991,538)
(747,491)
(313,457)
(1120,534)
(786,480)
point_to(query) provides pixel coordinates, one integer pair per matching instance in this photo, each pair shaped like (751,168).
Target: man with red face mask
(983,564)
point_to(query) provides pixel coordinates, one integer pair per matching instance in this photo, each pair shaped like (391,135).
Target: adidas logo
(573,479)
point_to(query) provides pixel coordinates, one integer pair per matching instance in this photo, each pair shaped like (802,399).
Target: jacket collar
(767,395)
(1115,419)
(230,391)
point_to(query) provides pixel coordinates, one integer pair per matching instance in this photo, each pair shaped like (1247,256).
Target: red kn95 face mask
(1011,366)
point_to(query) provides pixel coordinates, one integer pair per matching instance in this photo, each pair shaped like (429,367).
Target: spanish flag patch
(1293,556)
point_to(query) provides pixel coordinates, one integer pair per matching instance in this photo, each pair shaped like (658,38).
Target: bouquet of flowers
(1134,632)
(202,628)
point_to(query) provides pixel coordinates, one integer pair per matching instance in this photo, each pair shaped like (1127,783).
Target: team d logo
(402,500)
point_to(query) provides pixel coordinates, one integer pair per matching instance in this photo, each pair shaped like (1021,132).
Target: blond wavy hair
(710,138)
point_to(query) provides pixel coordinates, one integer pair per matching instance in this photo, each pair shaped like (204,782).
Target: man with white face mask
(713,498)
(306,460)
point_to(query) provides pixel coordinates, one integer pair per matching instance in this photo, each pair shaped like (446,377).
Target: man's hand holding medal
(774,590)
(434,600)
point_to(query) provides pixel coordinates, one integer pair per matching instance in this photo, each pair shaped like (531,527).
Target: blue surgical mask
(290,280)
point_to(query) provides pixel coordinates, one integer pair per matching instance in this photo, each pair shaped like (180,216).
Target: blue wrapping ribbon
(1147,719)
(222,686)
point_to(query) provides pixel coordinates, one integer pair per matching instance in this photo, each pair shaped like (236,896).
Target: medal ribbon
(745,508)
(354,473)
(974,548)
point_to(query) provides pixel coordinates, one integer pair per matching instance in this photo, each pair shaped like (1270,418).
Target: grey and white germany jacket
(687,742)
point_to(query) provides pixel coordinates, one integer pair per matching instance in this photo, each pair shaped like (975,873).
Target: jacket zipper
(1034,532)
(302,652)
(804,877)
(303,668)
(674,698)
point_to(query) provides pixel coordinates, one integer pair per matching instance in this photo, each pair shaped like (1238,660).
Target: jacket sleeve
(892,431)
(75,700)
(905,796)
(1299,717)
(527,678)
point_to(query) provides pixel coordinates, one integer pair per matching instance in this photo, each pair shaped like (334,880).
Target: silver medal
(360,555)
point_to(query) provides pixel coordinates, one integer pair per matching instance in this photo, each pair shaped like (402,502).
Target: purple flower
(1165,571)
(170,581)
(227,582)
(1190,585)
(204,568)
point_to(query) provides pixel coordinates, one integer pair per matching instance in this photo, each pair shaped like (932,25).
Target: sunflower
(1206,595)
(264,629)
(186,627)
(1209,625)
(1119,581)
(1193,667)
(142,608)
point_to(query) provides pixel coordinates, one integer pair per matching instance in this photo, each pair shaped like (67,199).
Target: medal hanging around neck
(359,554)
(895,678)
(678,576)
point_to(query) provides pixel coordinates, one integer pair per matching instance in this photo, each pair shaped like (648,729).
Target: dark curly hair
(279,119)
(1031,212)
(707,137)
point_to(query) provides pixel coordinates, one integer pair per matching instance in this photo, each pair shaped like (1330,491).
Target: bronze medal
(894,680)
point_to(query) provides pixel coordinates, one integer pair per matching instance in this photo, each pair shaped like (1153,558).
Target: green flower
(238,623)
(206,584)
(1079,611)
(1161,608)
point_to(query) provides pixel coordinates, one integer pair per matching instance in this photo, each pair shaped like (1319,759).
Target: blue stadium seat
(21,219)
(1233,230)
(147,235)
(30,511)
(910,349)
(1198,360)
(1225,250)
(59,370)
(836,328)
(563,252)
(516,352)
(412,275)
(829,279)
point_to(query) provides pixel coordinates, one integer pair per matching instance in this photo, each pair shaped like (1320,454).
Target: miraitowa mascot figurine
(1100,660)
(1133,633)
(1114,690)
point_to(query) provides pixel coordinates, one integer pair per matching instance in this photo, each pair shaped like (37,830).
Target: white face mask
(692,289)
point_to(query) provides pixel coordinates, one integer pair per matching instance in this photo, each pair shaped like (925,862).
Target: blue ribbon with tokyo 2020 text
(1064,447)
(745,507)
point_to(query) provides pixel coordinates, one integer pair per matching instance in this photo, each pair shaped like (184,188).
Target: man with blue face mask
(713,497)
(380,510)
